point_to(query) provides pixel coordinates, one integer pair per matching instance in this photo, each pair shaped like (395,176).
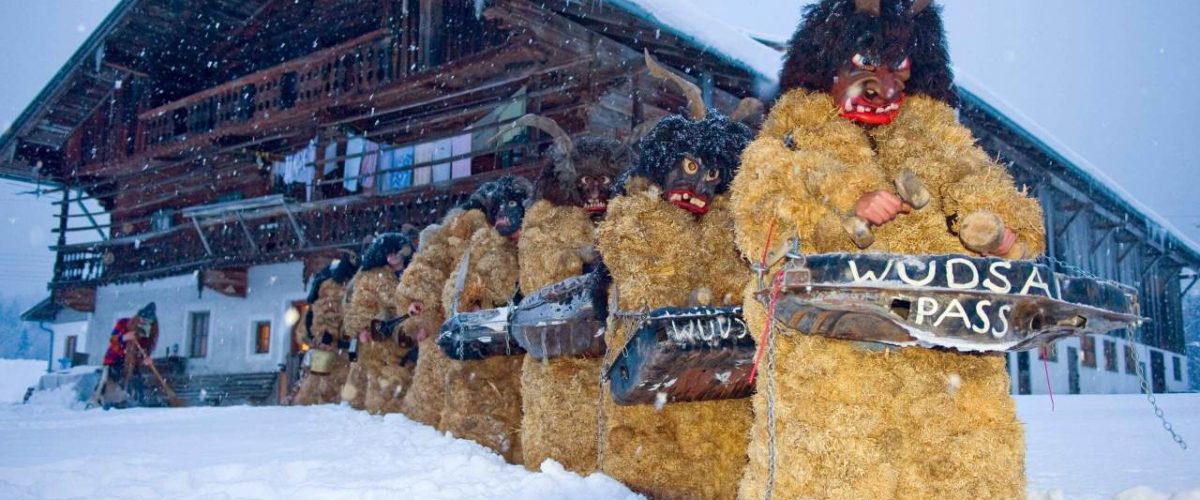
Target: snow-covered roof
(737,46)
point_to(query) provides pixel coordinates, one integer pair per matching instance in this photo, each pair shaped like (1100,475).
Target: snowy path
(266,452)
(1090,447)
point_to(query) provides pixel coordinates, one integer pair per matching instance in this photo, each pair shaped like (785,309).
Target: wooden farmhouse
(211,155)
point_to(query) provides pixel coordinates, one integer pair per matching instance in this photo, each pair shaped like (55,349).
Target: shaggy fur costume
(440,249)
(318,389)
(326,312)
(850,422)
(555,244)
(483,397)
(373,298)
(659,255)
(557,241)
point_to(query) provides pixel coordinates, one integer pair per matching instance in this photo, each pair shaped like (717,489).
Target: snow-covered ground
(17,375)
(1089,447)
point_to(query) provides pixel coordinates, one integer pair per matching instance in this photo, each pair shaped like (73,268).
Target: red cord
(771,307)
(1046,368)
(767,249)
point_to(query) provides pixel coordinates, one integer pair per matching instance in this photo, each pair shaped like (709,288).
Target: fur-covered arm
(801,175)
(552,244)
(492,273)
(371,288)
(725,271)
(928,139)
(650,247)
(439,250)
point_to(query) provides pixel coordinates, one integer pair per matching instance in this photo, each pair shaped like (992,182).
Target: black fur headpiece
(590,157)
(340,271)
(384,245)
(832,31)
(491,196)
(716,140)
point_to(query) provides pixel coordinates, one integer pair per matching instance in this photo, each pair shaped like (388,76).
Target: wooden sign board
(949,301)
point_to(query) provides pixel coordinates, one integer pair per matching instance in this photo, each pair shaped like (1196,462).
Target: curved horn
(918,6)
(867,7)
(562,140)
(748,108)
(640,131)
(695,100)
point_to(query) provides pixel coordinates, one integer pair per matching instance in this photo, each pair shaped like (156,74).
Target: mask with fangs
(693,158)
(503,201)
(896,48)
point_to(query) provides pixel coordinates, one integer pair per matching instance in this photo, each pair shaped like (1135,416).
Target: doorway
(1073,370)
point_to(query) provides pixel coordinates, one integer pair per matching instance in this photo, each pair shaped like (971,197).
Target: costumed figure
(328,348)
(667,241)
(129,347)
(419,293)
(558,242)
(383,355)
(483,397)
(863,151)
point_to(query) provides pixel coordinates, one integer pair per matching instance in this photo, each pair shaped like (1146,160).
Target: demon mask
(581,172)
(503,201)
(868,54)
(693,158)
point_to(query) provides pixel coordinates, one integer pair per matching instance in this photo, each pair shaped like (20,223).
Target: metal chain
(1068,267)
(1141,374)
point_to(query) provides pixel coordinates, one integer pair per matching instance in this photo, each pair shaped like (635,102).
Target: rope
(1046,368)
(762,344)
(772,450)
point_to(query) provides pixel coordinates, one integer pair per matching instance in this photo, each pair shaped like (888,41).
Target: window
(1087,345)
(1177,368)
(262,337)
(1130,366)
(161,220)
(69,347)
(1049,352)
(198,334)
(1110,355)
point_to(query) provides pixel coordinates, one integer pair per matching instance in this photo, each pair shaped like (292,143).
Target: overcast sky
(1112,81)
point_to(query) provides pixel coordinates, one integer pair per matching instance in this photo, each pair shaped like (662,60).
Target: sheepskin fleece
(327,310)
(559,399)
(805,189)
(659,255)
(553,244)
(440,247)
(316,389)
(852,422)
(354,391)
(374,298)
(483,398)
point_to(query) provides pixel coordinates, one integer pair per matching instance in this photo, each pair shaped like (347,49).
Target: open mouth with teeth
(860,109)
(503,222)
(595,206)
(688,200)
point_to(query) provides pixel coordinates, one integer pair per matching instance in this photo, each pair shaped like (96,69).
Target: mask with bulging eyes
(691,185)
(509,217)
(595,190)
(869,90)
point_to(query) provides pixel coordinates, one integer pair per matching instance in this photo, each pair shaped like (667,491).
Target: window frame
(191,332)
(255,339)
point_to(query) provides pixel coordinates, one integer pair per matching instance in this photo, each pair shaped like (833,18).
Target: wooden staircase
(209,390)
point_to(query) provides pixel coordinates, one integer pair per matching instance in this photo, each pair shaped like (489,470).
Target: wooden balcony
(262,231)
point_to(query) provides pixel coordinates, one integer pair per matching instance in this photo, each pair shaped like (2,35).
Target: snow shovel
(172,399)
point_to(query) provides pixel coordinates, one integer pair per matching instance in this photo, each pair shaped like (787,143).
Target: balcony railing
(275,232)
(355,69)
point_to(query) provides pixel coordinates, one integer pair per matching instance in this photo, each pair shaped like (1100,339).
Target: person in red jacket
(122,360)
